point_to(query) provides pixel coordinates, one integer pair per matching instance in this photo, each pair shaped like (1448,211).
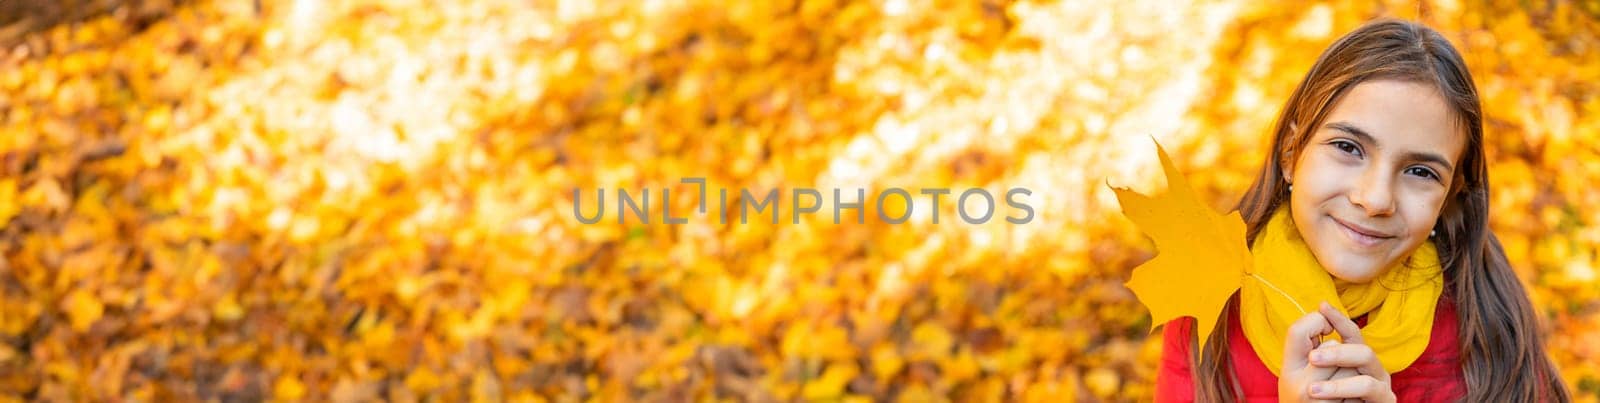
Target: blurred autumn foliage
(371,199)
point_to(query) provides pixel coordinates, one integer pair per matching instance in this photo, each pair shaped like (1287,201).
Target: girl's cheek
(1426,207)
(1323,176)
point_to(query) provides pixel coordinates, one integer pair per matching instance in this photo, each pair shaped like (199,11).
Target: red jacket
(1435,376)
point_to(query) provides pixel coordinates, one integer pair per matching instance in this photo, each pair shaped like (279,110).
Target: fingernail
(1316,388)
(1317,356)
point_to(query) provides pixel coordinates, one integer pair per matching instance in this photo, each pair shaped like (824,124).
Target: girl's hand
(1294,384)
(1369,382)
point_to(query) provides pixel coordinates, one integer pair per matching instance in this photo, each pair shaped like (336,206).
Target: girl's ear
(1286,167)
(1286,161)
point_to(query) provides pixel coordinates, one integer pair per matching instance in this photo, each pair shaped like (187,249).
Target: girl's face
(1371,181)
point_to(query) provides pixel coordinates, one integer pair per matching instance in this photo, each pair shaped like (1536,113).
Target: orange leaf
(1201,260)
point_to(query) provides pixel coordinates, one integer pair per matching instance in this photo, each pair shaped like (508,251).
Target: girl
(1376,196)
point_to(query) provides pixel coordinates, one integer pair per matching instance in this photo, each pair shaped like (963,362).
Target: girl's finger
(1357,387)
(1348,330)
(1340,373)
(1302,337)
(1322,373)
(1316,373)
(1346,355)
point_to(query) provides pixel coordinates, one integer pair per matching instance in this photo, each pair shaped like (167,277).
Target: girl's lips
(1360,235)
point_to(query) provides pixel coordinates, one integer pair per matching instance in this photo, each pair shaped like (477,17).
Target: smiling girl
(1376,196)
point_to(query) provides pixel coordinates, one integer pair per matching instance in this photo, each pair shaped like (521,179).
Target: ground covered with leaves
(372,199)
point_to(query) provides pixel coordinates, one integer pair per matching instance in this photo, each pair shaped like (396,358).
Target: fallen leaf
(83,309)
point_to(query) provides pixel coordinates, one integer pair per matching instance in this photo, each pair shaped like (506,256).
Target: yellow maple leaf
(1201,255)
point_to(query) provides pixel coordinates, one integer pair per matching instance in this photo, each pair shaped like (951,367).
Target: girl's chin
(1353,276)
(1353,269)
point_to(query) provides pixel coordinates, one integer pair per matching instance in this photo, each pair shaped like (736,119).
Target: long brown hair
(1502,353)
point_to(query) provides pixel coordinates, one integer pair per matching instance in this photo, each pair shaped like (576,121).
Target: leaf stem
(1280,292)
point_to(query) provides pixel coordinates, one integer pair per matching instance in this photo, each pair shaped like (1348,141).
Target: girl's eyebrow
(1362,135)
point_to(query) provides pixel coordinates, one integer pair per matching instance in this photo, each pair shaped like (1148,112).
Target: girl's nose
(1374,193)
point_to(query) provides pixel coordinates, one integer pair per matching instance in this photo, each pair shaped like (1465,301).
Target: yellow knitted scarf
(1288,282)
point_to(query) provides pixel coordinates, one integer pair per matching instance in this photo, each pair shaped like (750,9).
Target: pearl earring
(1431,233)
(1291,187)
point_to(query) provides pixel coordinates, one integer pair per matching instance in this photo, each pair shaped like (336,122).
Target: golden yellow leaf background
(362,200)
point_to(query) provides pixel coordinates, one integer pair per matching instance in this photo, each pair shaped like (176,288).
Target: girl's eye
(1423,172)
(1347,147)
